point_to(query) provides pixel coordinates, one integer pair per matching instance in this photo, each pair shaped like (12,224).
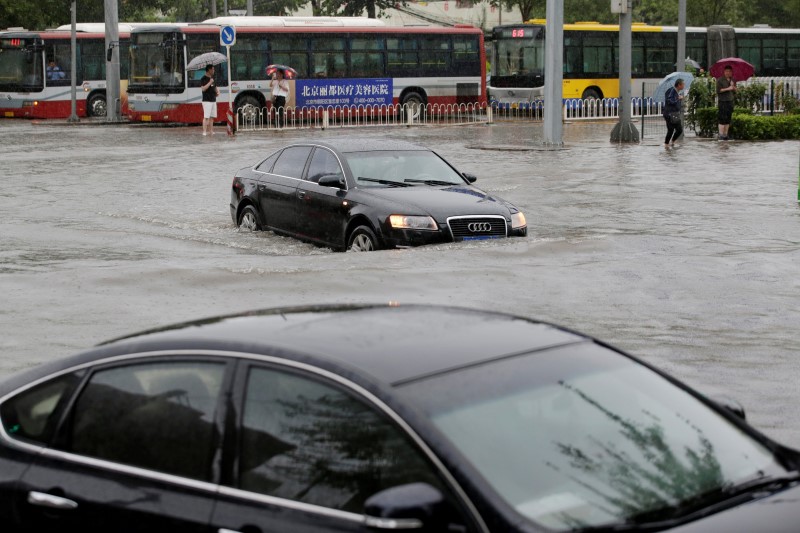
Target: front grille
(465,228)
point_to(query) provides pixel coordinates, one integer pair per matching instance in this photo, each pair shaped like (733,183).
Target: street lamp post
(73,92)
(624,130)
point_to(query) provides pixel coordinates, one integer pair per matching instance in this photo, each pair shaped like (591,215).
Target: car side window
(292,161)
(307,441)
(158,416)
(323,163)
(32,415)
(266,165)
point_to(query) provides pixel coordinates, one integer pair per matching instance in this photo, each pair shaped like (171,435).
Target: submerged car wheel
(362,239)
(248,220)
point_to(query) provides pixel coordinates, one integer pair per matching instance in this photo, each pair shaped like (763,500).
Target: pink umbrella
(742,70)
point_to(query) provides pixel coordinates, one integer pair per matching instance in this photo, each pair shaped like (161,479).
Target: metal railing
(251,118)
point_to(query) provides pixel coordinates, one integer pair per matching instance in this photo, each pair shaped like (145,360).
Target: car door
(321,211)
(138,451)
(307,453)
(277,188)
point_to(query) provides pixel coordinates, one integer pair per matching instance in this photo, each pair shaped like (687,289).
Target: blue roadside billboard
(346,92)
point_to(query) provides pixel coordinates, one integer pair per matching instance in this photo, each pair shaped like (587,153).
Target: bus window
(774,54)
(749,49)
(434,53)
(572,55)
(124,60)
(696,48)
(660,50)
(598,55)
(58,64)
(637,57)
(793,53)
(401,55)
(195,46)
(249,57)
(328,58)
(292,51)
(466,55)
(93,61)
(366,57)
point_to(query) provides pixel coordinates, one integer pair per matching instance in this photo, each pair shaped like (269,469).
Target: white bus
(339,61)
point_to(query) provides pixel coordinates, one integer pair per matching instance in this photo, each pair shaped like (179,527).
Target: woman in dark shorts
(726,88)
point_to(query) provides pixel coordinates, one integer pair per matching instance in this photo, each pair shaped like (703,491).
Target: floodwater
(687,258)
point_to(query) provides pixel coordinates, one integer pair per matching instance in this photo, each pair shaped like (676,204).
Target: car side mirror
(726,402)
(470,177)
(416,506)
(331,180)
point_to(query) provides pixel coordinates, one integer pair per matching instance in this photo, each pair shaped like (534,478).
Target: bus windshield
(519,51)
(20,66)
(157,63)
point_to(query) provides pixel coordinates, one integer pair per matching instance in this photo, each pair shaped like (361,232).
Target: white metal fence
(251,118)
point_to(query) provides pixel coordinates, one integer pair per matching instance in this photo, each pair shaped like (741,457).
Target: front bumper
(403,238)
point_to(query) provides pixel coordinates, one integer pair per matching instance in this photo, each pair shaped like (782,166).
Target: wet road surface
(687,258)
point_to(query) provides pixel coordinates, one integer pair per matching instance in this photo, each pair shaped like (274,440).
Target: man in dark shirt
(210,93)
(726,89)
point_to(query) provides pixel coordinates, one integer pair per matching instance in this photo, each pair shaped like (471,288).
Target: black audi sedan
(367,194)
(438,420)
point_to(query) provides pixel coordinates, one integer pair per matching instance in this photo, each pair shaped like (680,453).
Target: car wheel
(362,239)
(96,106)
(248,220)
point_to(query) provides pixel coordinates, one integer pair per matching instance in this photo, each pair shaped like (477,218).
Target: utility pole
(681,63)
(213,8)
(249,8)
(112,61)
(624,131)
(73,70)
(553,72)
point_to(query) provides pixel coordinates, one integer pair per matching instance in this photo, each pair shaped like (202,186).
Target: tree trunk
(371,9)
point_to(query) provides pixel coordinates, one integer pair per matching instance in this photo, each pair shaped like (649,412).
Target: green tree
(352,8)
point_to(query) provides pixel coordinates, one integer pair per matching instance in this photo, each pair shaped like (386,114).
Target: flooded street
(687,257)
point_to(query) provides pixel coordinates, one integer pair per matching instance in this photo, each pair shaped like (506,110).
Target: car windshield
(580,436)
(401,168)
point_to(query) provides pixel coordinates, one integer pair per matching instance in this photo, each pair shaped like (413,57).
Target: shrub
(749,127)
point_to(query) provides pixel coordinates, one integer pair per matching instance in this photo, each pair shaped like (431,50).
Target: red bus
(28,89)
(340,62)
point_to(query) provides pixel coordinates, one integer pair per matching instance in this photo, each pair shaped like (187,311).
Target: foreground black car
(357,419)
(366,194)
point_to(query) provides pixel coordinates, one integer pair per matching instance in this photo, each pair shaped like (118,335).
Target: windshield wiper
(724,497)
(431,182)
(390,183)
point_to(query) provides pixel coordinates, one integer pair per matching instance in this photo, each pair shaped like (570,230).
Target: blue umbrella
(660,94)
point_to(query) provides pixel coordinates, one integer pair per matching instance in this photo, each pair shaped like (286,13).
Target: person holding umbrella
(672,113)
(280,92)
(210,93)
(726,88)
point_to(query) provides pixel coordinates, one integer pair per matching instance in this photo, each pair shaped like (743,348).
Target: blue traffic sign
(227,35)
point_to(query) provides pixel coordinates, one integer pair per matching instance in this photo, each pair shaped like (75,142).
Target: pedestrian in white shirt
(280,92)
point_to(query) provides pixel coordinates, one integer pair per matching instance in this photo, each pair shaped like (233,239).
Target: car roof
(392,343)
(366,144)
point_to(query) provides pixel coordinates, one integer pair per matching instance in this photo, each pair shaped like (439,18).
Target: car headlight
(413,222)
(518,220)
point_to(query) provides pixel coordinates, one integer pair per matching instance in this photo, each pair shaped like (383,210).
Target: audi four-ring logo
(479,227)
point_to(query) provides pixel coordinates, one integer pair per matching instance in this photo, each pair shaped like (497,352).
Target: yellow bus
(591,56)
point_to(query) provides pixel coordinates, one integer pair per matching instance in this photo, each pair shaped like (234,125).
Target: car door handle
(301,194)
(48,500)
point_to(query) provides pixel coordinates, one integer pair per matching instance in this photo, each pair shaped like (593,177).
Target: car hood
(776,513)
(442,202)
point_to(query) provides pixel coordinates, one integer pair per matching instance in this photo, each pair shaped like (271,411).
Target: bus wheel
(248,108)
(414,102)
(591,94)
(96,106)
